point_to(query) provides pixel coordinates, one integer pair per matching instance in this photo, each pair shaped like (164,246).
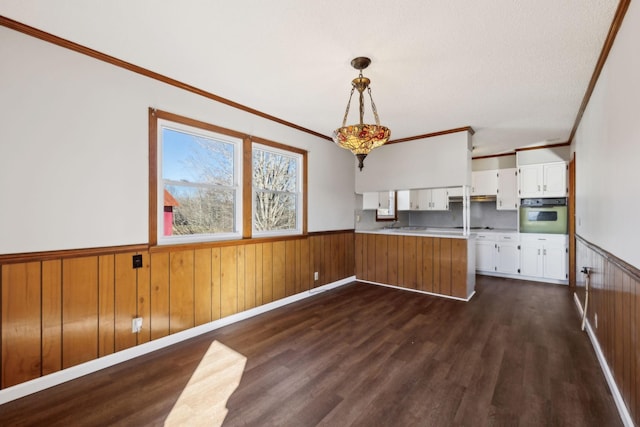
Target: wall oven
(547,215)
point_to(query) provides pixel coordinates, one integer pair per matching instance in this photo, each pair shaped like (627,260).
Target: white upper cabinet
(507,198)
(384,200)
(543,180)
(484,183)
(432,199)
(404,200)
(439,200)
(555,179)
(376,200)
(370,200)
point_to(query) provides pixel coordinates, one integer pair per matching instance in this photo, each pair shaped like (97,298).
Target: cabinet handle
(544,252)
(544,187)
(538,251)
(500,202)
(538,188)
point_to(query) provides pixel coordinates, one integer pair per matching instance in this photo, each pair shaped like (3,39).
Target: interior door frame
(572,222)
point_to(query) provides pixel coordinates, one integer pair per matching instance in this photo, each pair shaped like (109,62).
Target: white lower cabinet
(497,253)
(507,257)
(544,256)
(528,256)
(485,253)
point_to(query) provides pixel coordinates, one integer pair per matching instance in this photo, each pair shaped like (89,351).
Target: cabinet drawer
(509,237)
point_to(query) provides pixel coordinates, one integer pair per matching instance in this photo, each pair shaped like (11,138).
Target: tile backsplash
(483,214)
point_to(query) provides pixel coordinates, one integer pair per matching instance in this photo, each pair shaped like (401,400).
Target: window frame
(298,157)
(244,207)
(161,120)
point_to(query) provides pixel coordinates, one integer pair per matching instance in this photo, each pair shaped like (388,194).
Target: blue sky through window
(194,158)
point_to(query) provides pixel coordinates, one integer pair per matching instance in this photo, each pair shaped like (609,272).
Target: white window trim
(237,185)
(299,203)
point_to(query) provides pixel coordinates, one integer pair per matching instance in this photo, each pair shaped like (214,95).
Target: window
(277,191)
(208,183)
(199,179)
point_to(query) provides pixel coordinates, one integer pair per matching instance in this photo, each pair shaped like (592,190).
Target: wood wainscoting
(430,264)
(614,297)
(58,312)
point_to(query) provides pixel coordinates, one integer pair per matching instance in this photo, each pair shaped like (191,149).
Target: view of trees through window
(275,185)
(201,181)
(198,173)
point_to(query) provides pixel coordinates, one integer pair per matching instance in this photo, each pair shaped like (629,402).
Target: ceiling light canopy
(361,138)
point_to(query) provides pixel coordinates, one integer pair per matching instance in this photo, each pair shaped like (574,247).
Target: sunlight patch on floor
(204,398)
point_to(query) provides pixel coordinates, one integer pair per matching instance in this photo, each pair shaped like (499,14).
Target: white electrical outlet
(316,276)
(136,324)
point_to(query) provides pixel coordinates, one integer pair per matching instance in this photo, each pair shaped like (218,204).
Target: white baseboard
(617,397)
(56,378)
(419,291)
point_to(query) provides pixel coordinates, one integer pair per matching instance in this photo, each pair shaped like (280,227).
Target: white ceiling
(516,71)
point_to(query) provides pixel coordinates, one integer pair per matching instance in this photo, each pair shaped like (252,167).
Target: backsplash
(483,214)
(366,220)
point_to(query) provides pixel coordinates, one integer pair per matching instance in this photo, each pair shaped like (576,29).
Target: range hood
(473,199)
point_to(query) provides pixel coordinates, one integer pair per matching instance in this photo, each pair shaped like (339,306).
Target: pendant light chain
(373,107)
(346,113)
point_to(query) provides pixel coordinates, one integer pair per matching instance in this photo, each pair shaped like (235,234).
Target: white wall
(502,162)
(439,161)
(543,155)
(74,150)
(607,147)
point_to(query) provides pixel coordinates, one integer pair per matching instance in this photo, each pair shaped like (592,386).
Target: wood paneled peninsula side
(438,262)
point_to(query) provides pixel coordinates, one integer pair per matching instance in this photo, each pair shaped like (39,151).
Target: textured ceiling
(514,70)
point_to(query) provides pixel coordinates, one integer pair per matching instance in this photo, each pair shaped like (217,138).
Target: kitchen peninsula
(438,261)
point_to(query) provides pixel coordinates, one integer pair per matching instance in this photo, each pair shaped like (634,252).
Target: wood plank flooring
(359,355)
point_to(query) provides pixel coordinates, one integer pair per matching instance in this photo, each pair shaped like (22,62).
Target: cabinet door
(530,260)
(485,250)
(530,181)
(484,183)
(384,199)
(507,189)
(404,200)
(423,198)
(370,200)
(507,258)
(554,179)
(555,262)
(439,199)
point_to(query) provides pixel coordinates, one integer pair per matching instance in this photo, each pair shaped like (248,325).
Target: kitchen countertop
(454,233)
(494,230)
(451,233)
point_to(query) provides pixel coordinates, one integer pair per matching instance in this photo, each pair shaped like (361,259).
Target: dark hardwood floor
(358,355)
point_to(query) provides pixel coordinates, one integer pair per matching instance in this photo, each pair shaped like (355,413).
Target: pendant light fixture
(361,138)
